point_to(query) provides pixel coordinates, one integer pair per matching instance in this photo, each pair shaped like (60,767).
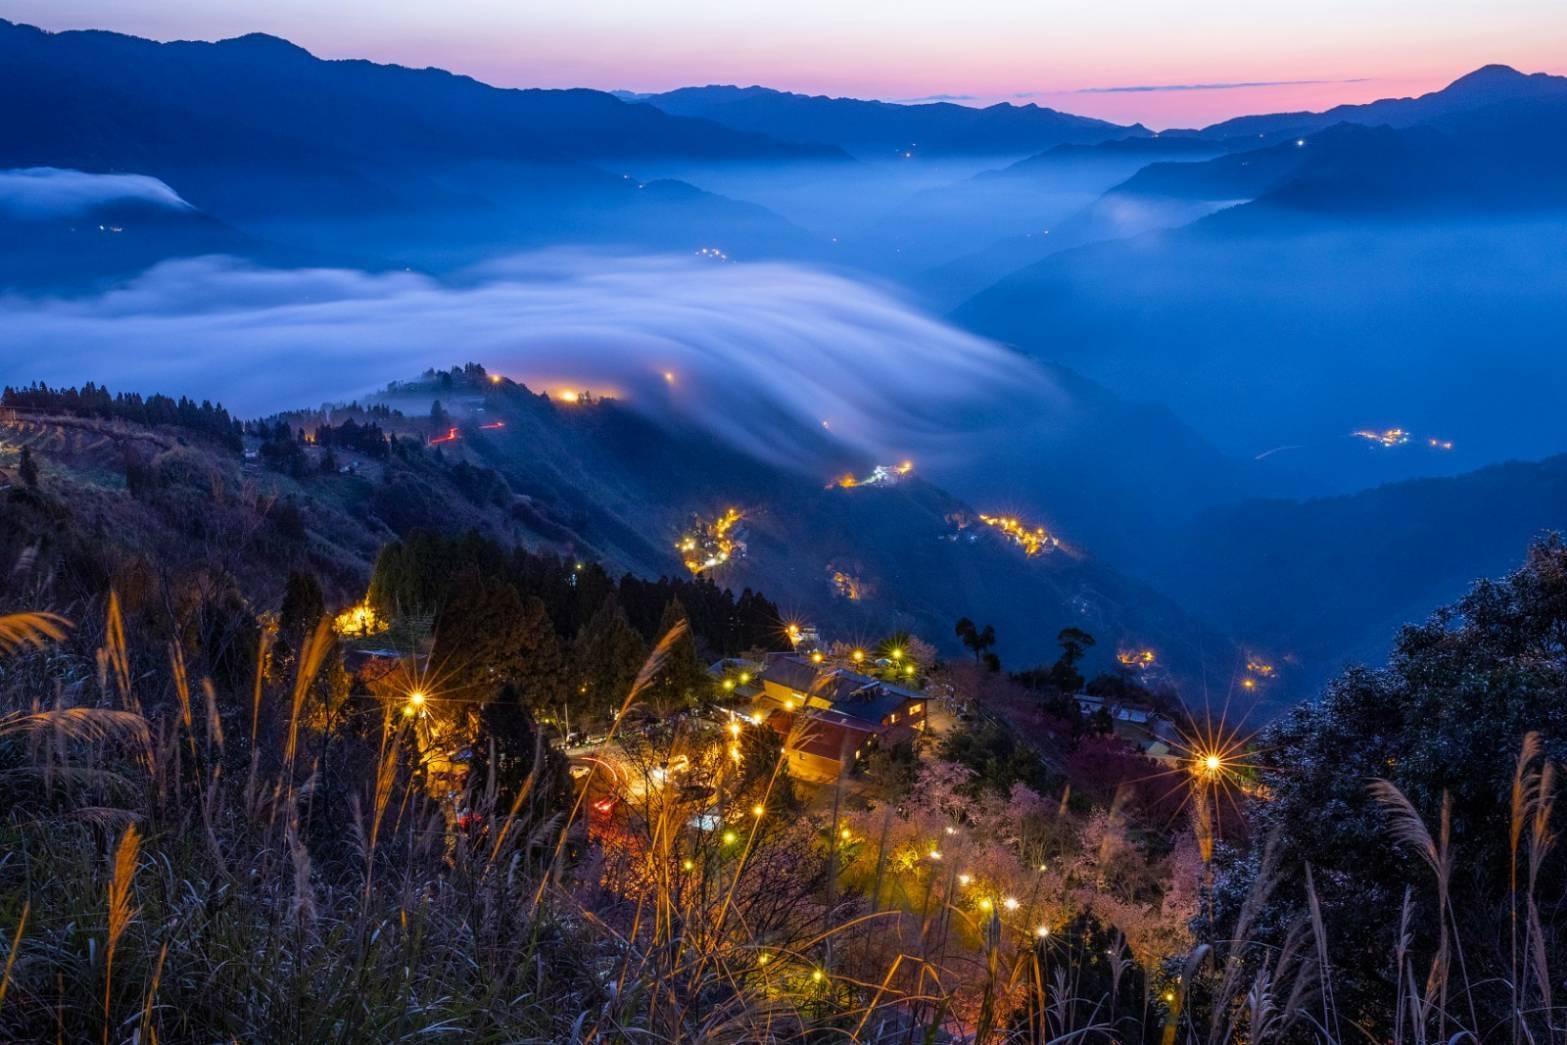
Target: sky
(1164,62)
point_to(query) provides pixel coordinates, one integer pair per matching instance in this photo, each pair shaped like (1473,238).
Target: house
(1141,725)
(830,716)
(1119,710)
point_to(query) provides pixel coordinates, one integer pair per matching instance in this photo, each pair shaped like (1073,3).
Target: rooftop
(852,695)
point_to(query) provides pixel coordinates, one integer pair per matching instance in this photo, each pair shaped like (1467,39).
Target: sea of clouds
(748,351)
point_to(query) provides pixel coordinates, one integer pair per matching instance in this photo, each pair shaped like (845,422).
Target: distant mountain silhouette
(1503,157)
(888,130)
(257,129)
(1369,271)
(1485,86)
(1048,203)
(1124,156)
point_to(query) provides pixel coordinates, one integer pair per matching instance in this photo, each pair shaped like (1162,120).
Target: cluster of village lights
(881,475)
(359,620)
(1257,672)
(709,545)
(1142,659)
(1032,539)
(1391,437)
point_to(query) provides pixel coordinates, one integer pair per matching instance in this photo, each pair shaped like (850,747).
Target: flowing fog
(725,346)
(51,192)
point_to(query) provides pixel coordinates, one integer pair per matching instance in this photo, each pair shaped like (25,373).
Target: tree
(607,655)
(1074,643)
(303,604)
(508,745)
(975,638)
(1443,721)
(543,678)
(480,636)
(891,770)
(681,680)
(27,468)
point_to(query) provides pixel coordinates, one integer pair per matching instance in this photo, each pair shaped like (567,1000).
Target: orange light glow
(1032,539)
(1137,658)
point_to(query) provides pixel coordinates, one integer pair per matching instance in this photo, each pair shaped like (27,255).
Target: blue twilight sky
(1282,54)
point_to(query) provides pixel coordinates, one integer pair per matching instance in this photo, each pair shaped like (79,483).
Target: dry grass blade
(113,654)
(88,725)
(120,910)
(10,959)
(30,630)
(214,721)
(310,662)
(1405,823)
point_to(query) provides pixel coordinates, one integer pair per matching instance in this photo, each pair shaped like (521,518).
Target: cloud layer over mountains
(761,354)
(52,192)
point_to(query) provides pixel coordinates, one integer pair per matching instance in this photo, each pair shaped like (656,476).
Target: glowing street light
(1042,931)
(1010,903)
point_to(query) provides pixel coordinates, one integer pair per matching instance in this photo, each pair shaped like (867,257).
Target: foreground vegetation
(216,826)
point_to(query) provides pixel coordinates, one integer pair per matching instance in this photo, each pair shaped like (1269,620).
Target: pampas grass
(254,895)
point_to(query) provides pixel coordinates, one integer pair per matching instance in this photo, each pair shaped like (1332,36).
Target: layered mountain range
(1229,319)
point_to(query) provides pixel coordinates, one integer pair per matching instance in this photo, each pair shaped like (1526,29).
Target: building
(1141,725)
(830,716)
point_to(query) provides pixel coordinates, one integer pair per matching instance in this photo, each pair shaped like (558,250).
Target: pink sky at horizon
(982,51)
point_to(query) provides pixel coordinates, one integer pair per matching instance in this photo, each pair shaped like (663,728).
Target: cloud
(50,192)
(760,354)
(1147,88)
(929,98)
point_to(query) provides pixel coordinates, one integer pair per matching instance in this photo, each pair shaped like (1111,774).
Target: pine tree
(480,637)
(682,680)
(608,654)
(543,676)
(508,743)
